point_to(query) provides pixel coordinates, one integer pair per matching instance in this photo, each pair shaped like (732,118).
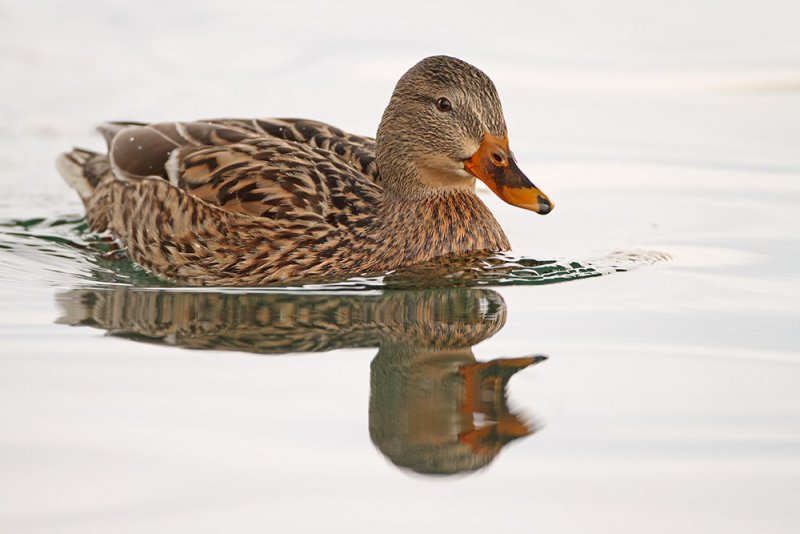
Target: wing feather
(273,168)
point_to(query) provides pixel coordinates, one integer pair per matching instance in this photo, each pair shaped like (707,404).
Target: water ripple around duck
(61,250)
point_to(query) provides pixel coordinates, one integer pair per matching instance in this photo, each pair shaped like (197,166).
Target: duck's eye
(443,104)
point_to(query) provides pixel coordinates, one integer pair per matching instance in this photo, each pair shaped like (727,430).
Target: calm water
(633,365)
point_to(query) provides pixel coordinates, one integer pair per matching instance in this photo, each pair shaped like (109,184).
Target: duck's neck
(429,209)
(439,223)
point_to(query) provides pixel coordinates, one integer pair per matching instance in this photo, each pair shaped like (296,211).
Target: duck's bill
(494,165)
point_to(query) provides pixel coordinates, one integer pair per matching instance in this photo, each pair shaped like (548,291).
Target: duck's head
(443,128)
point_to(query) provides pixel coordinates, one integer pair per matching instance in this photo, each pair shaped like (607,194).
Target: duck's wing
(235,165)
(357,150)
(148,146)
(278,180)
(141,150)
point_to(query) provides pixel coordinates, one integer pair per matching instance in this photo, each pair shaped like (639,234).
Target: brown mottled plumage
(249,202)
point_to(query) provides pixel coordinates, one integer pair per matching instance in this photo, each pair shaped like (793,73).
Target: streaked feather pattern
(260,201)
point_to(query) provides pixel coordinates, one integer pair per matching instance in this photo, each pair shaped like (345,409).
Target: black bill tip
(545,206)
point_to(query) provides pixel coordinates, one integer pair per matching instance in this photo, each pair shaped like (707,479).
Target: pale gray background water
(670,401)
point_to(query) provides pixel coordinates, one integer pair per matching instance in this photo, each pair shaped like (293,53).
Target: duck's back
(232,201)
(263,167)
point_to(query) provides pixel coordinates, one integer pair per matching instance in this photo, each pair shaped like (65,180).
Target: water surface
(663,289)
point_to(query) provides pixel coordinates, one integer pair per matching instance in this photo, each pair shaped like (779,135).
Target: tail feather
(111,129)
(83,170)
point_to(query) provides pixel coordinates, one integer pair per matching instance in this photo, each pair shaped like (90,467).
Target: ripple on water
(61,250)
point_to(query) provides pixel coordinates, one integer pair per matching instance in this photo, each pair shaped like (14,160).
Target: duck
(249,202)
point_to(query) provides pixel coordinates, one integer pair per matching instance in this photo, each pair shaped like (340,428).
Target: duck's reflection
(433,408)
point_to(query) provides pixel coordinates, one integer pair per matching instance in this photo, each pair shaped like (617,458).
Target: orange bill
(494,165)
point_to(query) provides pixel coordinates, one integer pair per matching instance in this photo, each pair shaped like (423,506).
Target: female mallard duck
(248,202)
